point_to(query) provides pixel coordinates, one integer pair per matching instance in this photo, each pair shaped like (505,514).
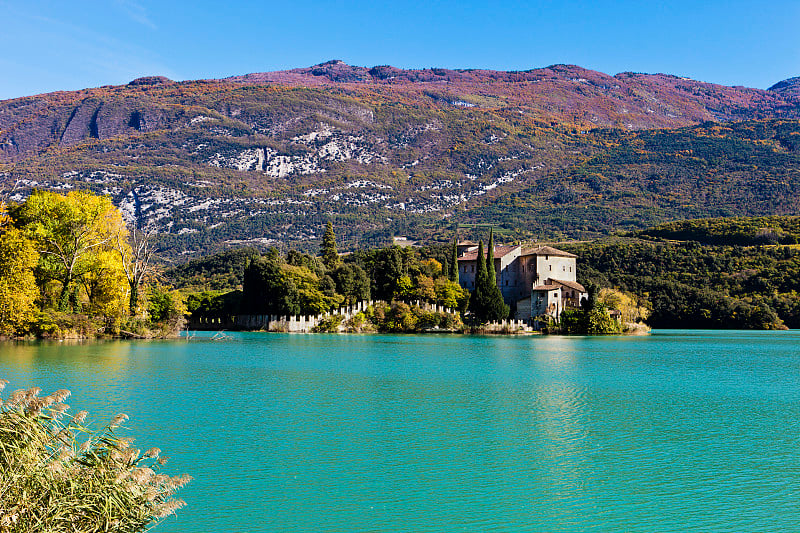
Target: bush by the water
(594,321)
(58,475)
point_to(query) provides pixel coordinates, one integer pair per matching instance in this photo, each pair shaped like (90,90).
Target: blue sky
(60,45)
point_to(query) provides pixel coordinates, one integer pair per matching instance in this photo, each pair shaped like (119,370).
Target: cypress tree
(494,308)
(454,262)
(477,299)
(330,257)
(480,269)
(490,271)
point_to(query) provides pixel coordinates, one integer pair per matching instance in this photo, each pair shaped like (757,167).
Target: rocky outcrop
(150,80)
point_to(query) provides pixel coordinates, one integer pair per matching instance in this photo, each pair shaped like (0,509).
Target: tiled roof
(499,251)
(547,250)
(546,288)
(571,284)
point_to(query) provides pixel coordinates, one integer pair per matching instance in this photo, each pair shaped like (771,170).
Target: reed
(58,475)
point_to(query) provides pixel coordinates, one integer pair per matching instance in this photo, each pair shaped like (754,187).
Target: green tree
(330,256)
(486,302)
(490,270)
(385,267)
(598,322)
(165,309)
(306,291)
(405,289)
(450,294)
(454,262)
(477,301)
(352,283)
(590,302)
(265,289)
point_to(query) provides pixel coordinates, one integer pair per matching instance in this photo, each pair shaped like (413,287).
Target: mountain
(268,157)
(787,88)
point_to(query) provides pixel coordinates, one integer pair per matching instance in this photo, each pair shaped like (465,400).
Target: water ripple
(672,432)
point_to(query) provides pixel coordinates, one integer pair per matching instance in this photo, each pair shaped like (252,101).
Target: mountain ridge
(269,158)
(566,94)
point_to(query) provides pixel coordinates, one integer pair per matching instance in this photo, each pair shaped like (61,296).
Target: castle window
(551,268)
(473,268)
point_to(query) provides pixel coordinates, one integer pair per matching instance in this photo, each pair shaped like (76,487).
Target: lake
(675,431)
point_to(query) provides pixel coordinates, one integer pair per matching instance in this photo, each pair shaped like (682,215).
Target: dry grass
(57,475)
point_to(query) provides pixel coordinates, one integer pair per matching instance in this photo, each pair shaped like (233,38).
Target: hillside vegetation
(742,231)
(268,158)
(687,284)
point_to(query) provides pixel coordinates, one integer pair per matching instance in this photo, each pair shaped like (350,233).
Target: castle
(534,282)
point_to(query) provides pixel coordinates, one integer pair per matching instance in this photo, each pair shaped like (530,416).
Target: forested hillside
(691,285)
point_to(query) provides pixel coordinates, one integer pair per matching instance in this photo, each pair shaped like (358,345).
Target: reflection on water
(676,431)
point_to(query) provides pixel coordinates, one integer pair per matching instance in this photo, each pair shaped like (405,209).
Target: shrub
(53,484)
(329,324)
(595,321)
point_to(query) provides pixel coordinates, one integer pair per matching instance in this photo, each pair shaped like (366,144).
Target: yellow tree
(105,284)
(4,197)
(69,231)
(18,289)
(4,218)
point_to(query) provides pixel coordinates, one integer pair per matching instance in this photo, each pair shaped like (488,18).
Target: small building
(403,242)
(546,300)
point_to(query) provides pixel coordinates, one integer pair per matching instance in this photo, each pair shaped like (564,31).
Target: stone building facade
(534,281)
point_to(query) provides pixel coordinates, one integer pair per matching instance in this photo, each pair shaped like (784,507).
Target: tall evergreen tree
(477,300)
(490,271)
(480,269)
(330,257)
(454,261)
(489,304)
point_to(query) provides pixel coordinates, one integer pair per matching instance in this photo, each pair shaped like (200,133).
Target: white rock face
(325,142)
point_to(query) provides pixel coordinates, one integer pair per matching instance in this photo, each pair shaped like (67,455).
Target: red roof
(548,250)
(499,251)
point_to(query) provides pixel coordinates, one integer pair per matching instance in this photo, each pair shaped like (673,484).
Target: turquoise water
(676,431)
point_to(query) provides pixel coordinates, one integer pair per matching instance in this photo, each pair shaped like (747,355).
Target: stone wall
(294,323)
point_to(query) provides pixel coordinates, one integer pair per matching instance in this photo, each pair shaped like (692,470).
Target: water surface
(677,431)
